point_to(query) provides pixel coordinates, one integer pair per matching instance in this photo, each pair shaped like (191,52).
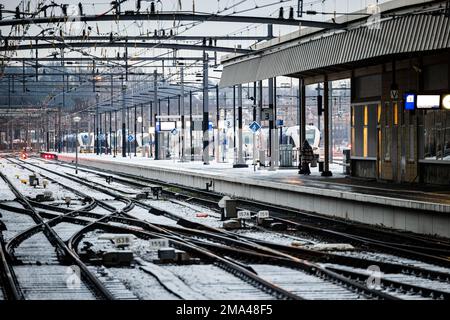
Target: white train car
(86,141)
(313,136)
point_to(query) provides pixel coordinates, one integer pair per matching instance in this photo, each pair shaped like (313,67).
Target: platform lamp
(76,120)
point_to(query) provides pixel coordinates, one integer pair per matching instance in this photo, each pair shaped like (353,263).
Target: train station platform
(419,209)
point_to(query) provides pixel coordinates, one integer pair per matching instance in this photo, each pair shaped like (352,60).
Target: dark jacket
(307,152)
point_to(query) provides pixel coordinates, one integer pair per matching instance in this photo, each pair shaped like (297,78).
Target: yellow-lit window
(365,132)
(366,145)
(366,116)
(379,152)
(379,113)
(395,114)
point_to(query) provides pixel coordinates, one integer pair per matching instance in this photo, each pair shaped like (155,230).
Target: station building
(398,63)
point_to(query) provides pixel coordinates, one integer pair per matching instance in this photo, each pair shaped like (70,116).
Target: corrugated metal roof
(400,35)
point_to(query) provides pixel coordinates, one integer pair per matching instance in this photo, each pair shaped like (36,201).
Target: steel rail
(126,179)
(53,237)
(8,278)
(305,265)
(414,251)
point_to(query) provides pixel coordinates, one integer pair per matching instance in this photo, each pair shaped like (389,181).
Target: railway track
(392,285)
(434,251)
(226,265)
(43,262)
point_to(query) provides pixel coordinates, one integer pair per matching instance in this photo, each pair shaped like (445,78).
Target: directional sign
(254,126)
(244,214)
(174,131)
(267,114)
(264,214)
(130,138)
(156,244)
(122,240)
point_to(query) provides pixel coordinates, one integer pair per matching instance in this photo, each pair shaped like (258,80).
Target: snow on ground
(84,189)
(214,283)
(376,256)
(187,212)
(5,192)
(15,174)
(143,214)
(50,283)
(142,284)
(214,168)
(15,222)
(305,285)
(409,279)
(66,230)
(273,237)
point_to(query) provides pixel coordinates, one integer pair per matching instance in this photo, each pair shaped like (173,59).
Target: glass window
(436,135)
(364,130)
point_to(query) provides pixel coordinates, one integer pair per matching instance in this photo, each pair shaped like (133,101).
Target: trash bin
(286,155)
(321,165)
(346,161)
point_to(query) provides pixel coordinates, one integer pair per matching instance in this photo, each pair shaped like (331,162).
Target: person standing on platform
(307,157)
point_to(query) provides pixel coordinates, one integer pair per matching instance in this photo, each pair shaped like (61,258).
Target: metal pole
(110,114)
(183,124)
(96,126)
(76,151)
(240,159)
(149,126)
(224,131)
(179,133)
(255,92)
(106,135)
(63,104)
(110,133)
(169,136)
(157,111)
(205,110)
(217,125)
(142,129)
(135,131)
(191,128)
(326,170)
(234,122)
(124,129)
(115,133)
(129,130)
(271,126)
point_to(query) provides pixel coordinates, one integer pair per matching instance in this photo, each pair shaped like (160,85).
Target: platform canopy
(393,36)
